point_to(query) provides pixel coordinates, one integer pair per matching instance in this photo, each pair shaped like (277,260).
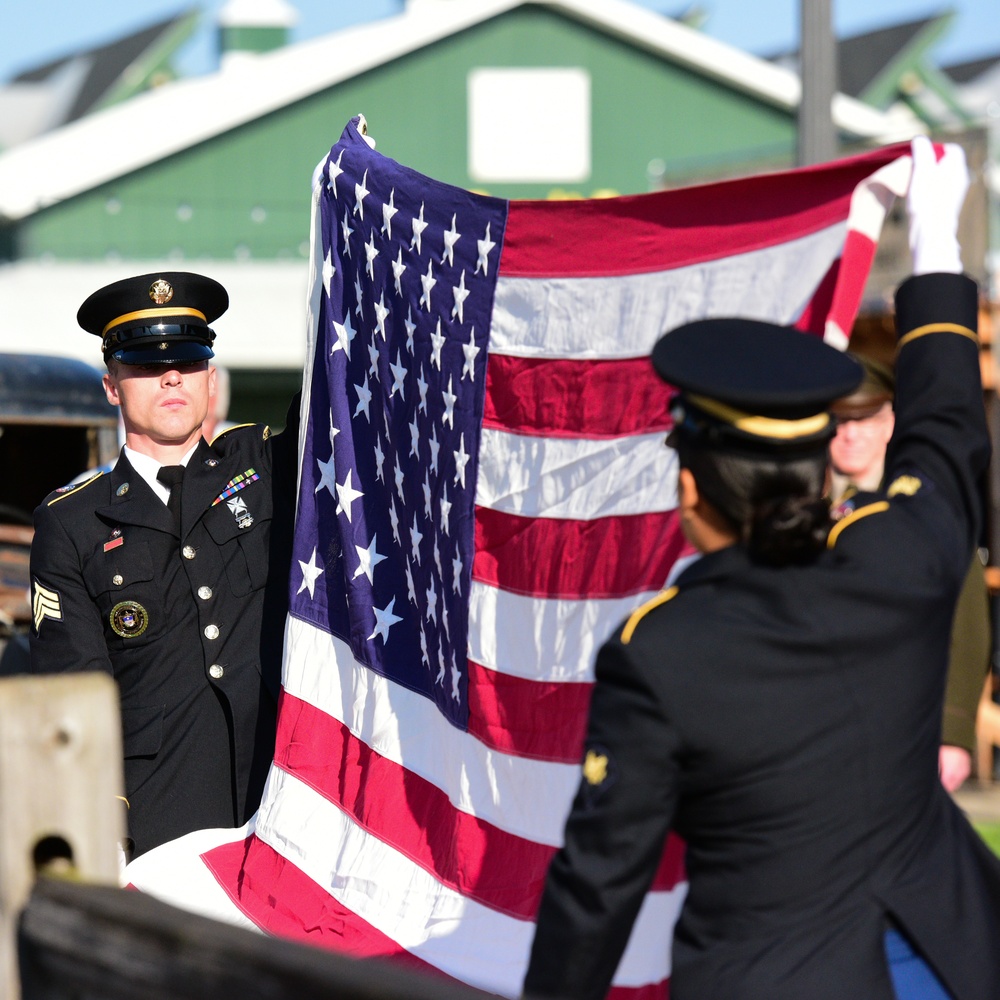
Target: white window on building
(529,125)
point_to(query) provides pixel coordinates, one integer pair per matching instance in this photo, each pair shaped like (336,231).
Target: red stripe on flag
(652,991)
(859,253)
(255,877)
(528,718)
(644,233)
(563,398)
(561,558)
(813,317)
(499,869)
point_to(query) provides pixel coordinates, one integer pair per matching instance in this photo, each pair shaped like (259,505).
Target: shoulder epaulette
(872,508)
(69,491)
(640,613)
(238,427)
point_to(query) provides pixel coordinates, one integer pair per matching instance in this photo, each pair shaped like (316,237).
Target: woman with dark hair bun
(780,705)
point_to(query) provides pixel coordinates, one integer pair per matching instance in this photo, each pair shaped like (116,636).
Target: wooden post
(60,773)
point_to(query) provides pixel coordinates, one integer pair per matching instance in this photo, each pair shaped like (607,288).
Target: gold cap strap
(152,314)
(763,427)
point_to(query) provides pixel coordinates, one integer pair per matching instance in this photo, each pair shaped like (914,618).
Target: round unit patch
(129,619)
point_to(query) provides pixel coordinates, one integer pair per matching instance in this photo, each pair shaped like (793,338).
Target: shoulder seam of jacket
(640,613)
(76,489)
(872,508)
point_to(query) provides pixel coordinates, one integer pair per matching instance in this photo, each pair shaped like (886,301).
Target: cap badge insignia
(595,768)
(161,292)
(129,619)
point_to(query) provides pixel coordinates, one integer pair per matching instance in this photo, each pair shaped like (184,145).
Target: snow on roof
(176,116)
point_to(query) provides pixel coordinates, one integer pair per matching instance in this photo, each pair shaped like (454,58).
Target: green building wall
(245,194)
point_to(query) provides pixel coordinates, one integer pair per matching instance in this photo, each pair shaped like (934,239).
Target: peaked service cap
(747,384)
(159,318)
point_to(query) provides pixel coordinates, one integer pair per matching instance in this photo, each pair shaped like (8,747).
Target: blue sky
(37,30)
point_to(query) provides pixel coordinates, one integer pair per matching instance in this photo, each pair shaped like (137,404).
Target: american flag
(485,494)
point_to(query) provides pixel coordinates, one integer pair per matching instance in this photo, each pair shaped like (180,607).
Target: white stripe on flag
(542,639)
(573,478)
(461,937)
(408,729)
(622,316)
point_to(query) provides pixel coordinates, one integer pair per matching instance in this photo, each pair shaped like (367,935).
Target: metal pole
(817,137)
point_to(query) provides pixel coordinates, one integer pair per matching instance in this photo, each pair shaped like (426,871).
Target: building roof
(107,66)
(862,58)
(970,71)
(179,115)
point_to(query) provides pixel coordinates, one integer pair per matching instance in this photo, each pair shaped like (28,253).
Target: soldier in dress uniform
(170,572)
(780,705)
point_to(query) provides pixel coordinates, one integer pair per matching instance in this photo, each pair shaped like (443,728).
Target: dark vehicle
(55,423)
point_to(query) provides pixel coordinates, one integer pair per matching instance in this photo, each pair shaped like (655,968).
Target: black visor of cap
(747,382)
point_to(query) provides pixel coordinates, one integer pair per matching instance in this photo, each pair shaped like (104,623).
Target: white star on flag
(445,511)
(410,330)
(398,376)
(360,193)
(373,361)
(398,267)
(449,398)
(418,229)
(345,334)
(388,211)
(381,312)
(461,293)
(414,437)
(422,386)
(451,237)
(437,342)
(485,245)
(384,620)
(431,602)
(461,461)
(347,233)
(470,350)
(346,495)
(369,559)
(364,399)
(371,252)
(334,171)
(328,271)
(416,537)
(435,448)
(327,476)
(456,573)
(428,510)
(310,574)
(427,282)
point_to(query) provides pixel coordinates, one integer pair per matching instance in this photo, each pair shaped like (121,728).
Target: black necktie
(171,476)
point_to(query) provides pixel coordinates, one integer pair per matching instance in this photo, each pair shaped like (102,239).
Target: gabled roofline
(177,116)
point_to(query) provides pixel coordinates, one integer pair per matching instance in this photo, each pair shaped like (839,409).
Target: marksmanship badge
(129,619)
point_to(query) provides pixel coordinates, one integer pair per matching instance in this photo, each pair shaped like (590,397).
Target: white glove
(937,192)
